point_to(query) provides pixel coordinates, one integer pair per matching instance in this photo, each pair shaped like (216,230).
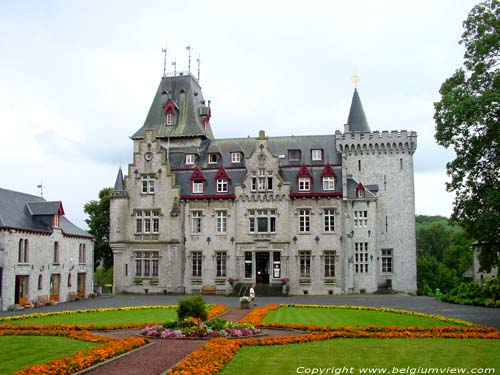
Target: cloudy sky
(77,79)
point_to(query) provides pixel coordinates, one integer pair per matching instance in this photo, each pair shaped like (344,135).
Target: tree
(468,119)
(98,223)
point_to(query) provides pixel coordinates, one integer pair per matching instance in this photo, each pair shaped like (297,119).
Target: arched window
(69,280)
(40,285)
(22,256)
(56,252)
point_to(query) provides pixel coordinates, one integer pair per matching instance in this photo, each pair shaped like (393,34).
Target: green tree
(98,223)
(468,119)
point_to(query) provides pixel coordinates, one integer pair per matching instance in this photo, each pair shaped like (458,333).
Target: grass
(347,317)
(19,351)
(103,318)
(358,353)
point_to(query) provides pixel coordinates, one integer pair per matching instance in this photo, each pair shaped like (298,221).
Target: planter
(245,305)
(304,281)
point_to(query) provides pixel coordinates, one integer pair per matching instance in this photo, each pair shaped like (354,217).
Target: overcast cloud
(78,78)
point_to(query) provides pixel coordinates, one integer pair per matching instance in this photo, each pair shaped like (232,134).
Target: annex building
(43,256)
(331,213)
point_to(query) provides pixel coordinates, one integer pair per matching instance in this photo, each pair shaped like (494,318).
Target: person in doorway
(252,294)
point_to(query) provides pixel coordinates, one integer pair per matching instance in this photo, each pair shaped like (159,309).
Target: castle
(325,214)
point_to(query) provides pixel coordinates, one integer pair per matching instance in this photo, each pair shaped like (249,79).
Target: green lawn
(19,351)
(104,318)
(358,353)
(346,317)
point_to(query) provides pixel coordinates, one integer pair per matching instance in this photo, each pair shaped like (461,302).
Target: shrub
(491,288)
(192,307)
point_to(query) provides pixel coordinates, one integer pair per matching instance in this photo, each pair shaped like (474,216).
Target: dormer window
(360,191)
(304,184)
(317,155)
(213,158)
(222,180)
(235,157)
(170,110)
(198,187)
(197,181)
(222,186)
(294,155)
(304,179)
(56,221)
(169,119)
(328,178)
(190,159)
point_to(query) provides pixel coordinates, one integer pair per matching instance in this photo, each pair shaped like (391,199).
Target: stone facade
(38,264)
(332,214)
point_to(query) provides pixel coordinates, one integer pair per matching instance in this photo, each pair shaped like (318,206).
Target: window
(305,263)
(56,221)
(360,193)
(359,165)
(198,187)
(69,280)
(304,184)
(148,184)
(40,284)
(146,263)
(304,220)
(361,257)
(248,265)
(147,221)
(56,253)
(220,264)
(316,155)
(170,119)
(196,221)
(329,259)
(190,159)
(276,265)
(261,180)
(221,226)
(82,254)
(222,186)
(294,155)
(197,263)
(329,183)
(213,158)
(262,221)
(235,157)
(329,219)
(387,260)
(360,219)
(22,256)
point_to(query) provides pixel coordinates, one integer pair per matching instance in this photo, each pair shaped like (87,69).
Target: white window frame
(147,184)
(387,261)
(213,158)
(220,264)
(198,187)
(305,263)
(328,183)
(221,222)
(222,185)
(361,257)
(304,184)
(361,193)
(147,222)
(304,220)
(329,220)
(316,154)
(196,264)
(169,119)
(146,263)
(235,157)
(360,219)
(190,159)
(82,254)
(196,222)
(329,257)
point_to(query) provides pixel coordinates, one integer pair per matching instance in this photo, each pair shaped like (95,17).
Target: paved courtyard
(479,315)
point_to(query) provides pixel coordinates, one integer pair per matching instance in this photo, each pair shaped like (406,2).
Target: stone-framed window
(196,263)
(316,155)
(148,184)
(261,180)
(82,253)
(329,263)
(329,220)
(304,220)
(196,217)
(248,265)
(147,221)
(40,282)
(262,221)
(221,222)
(361,257)
(305,263)
(360,219)
(56,253)
(387,260)
(146,263)
(329,183)
(220,264)
(22,256)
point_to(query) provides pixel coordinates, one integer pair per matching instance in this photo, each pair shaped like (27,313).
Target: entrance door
(80,288)
(262,267)
(55,282)
(21,296)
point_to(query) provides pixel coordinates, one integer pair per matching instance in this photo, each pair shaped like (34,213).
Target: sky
(77,79)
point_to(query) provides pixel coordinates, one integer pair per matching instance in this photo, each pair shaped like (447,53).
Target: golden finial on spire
(355,79)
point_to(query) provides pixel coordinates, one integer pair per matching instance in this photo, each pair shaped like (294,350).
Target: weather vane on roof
(199,62)
(174,64)
(355,79)
(41,189)
(164,50)
(189,48)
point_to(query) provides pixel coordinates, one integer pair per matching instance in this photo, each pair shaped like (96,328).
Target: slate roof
(185,91)
(29,212)
(370,190)
(357,119)
(119,185)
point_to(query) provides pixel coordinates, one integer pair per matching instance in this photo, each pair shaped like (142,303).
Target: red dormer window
(56,218)
(360,191)
(328,178)
(197,181)
(304,179)
(170,113)
(222,180)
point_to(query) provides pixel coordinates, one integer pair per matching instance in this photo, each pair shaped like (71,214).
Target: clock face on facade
(262,157)
(148,156)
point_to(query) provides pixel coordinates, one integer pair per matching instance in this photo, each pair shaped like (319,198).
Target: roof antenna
(164,50)
(174,63)
(41,189)
(199,62)
(355,79)
(189,48)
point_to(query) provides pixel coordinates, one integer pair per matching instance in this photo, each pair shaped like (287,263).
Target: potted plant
(231,281)
(244,302)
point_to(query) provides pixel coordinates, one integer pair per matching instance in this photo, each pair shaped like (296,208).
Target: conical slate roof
(357,119)
(119,185)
